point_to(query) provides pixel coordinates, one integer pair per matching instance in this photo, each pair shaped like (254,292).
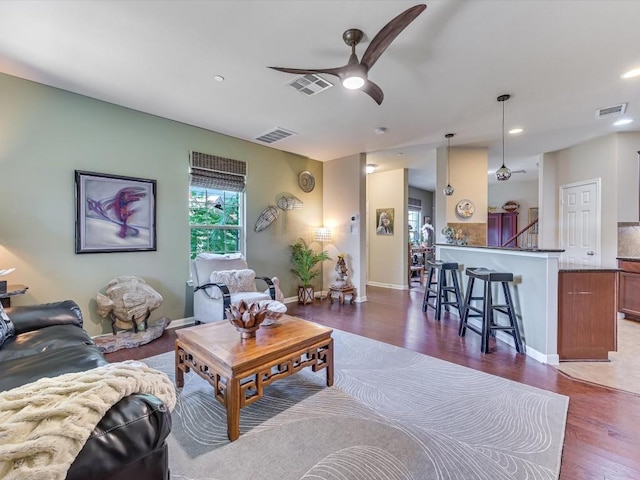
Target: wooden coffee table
(239,369)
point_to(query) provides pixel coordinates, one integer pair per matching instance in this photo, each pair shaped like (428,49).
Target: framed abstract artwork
(114,213)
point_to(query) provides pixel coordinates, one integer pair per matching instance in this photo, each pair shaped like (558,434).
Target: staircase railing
(525,238)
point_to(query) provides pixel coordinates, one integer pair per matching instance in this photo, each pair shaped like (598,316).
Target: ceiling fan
(354,75)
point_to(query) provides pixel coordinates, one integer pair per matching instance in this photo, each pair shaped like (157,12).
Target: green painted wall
(46,134)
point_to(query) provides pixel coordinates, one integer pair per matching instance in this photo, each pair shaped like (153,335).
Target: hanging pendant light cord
(503,133)
(448,137)
(448,154)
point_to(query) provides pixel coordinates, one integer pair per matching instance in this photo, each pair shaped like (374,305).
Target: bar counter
(534,290)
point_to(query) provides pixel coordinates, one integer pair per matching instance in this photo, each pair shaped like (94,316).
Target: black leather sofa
(129,442)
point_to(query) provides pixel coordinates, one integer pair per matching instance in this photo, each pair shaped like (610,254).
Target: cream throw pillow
(235,280)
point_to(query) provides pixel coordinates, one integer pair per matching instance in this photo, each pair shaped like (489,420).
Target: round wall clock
(306,181)
(465,208)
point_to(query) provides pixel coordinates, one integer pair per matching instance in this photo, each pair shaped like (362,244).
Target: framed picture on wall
(384,221)
(114,213)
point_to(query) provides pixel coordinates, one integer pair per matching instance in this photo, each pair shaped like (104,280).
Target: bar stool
(438,288)
(486,312)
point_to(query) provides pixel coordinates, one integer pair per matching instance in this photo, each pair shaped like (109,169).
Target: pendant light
(448,190)
(503,173)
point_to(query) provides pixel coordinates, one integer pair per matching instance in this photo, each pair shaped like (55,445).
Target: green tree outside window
(215,220)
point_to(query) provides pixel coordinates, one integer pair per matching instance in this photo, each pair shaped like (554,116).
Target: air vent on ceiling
(310,84)
(274,135)
(611,111)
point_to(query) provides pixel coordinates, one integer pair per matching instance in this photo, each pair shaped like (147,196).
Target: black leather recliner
(129,441)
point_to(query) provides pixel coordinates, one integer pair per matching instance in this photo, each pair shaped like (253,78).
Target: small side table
(12,290)
(340,293)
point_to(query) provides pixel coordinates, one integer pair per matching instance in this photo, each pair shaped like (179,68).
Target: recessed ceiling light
(624,121)
(400,154)
(513,131)
(632,73)
(380,130)
(218,78)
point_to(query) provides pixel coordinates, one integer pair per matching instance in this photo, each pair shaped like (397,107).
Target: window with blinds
(216,198)
(413,219)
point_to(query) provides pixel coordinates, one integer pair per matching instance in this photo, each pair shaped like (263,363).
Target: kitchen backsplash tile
(628,240)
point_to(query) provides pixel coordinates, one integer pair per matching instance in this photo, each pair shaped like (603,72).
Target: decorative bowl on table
(275,310)
(246,318)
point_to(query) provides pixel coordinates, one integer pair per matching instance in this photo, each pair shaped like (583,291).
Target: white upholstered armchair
(220,280)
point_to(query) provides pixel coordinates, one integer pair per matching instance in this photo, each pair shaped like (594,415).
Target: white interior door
(580,223)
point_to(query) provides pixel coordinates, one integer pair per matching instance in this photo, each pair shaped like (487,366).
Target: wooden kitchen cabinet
(629,289)
(587,314)
(501,227)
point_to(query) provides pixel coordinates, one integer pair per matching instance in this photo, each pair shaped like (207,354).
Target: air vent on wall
(310,84)
(274,135)
(611,111)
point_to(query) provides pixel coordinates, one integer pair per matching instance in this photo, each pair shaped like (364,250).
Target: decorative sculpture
(246,317)
(128,300)
(341,268)
(266,218)
(289,202)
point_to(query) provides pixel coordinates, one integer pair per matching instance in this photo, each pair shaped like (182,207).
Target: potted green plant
(304,260)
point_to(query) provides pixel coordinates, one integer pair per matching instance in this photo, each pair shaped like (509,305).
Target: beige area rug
(621,371)
(392,414)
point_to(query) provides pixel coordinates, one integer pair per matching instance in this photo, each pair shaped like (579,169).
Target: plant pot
(305,294)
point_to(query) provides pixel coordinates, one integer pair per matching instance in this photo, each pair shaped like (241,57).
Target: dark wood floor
(602,438)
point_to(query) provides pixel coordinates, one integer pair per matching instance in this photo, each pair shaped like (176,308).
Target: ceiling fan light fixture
(354,77)
(503,173)
(353,83)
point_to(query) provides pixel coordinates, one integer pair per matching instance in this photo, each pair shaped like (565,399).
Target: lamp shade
(322,234)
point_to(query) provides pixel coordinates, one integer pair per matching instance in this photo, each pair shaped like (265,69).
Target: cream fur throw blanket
(45,424)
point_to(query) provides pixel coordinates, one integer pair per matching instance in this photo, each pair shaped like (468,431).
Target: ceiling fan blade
(388,33)
(305,71)
(373,90)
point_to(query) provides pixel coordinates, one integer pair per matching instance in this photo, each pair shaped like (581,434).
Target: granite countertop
(512,249)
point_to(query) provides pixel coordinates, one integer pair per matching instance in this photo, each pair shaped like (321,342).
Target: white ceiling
(559,59)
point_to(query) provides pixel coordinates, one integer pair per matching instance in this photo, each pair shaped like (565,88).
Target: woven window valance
(211,171)
(415,204)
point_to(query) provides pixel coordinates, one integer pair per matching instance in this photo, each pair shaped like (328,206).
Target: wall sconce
(322,234)
(370,168)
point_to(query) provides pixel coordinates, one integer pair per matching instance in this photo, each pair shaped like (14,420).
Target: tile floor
(622,371)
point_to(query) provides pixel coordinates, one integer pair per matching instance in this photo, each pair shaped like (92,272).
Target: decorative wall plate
(465,208)
(511,206)
(306,181)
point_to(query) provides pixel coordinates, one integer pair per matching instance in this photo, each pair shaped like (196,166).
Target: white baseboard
(182,322)
(392,286)
(530,352)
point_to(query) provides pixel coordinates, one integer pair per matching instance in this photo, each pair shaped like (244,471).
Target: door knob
(591,252)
